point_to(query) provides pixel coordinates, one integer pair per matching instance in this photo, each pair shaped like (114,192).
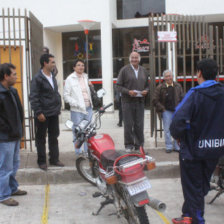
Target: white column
(106,55)
(53,40)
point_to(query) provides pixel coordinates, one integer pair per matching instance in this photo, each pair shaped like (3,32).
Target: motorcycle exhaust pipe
(156,204)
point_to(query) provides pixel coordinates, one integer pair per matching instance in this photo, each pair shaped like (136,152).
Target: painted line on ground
(165,220)
(44,219)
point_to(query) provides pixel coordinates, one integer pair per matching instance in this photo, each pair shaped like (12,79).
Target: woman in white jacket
(78,95)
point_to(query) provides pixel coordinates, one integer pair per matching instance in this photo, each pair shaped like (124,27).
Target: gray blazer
(127,81)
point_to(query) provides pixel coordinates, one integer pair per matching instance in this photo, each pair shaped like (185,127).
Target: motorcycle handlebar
(102,109)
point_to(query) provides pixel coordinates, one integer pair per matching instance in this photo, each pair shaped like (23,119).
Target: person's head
(168,76)
(134,58)
(45,50)
(47,62)
(8,74)
(79,66)
(207,69)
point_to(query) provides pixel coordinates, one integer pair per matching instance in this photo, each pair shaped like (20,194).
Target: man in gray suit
(133,84)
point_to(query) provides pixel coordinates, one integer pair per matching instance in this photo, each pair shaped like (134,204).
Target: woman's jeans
(9,164)
(76,118)
(167,119)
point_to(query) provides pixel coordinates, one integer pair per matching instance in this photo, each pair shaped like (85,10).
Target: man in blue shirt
(198,125)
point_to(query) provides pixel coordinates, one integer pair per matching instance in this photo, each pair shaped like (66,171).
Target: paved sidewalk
(29,173)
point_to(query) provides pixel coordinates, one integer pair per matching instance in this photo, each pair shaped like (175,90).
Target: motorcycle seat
(108,157)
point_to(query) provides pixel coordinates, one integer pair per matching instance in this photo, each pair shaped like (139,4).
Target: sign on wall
(167,36)
(140,45)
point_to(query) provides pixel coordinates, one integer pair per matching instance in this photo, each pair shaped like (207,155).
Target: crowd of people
(193,124)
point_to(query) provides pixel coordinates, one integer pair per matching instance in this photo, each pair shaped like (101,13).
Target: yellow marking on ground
(165,220)
(44,219)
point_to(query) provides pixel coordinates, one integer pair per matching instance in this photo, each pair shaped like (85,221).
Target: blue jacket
(198,122)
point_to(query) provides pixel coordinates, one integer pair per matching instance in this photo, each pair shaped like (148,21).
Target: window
(73,44)
(124,42)
(127,9)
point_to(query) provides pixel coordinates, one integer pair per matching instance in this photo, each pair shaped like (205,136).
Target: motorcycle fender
(140,199)
(82,156)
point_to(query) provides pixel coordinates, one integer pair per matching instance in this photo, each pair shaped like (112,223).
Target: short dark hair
(45,58)
(208,68)
(5,69)
(76,61)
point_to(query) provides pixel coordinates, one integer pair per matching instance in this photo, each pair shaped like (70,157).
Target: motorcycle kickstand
(221,191)
(103,204)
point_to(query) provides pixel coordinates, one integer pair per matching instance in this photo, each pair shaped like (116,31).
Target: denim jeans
(76,118)
(9,164)
(167,119)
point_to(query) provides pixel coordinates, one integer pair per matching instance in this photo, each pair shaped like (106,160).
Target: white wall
(58,12)
(195,7)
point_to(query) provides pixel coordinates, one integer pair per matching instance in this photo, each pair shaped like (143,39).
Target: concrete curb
(55,175)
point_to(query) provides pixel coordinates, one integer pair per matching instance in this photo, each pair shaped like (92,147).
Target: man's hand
(132,93)
(144,92)
(41,118)
(90,83)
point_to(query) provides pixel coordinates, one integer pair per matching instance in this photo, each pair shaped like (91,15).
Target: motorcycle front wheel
(87,171)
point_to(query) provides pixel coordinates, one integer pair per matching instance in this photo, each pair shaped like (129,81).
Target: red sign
(167,36)
(140,45)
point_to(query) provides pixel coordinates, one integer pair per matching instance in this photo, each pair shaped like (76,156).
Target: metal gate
(21,43)
(196,39)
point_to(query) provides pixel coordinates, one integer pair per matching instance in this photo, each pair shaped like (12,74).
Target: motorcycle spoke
(85,170)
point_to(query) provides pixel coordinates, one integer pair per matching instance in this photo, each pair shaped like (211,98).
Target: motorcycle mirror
(69,124)
(101,93)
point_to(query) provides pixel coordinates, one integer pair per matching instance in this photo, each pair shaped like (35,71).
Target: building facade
(120,27)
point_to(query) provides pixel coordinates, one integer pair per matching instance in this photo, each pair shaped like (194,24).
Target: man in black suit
(46,103)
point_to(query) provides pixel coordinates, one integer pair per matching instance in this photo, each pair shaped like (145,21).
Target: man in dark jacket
(133,85)
(46,103)
(198,124)
(11,118)
(165,98)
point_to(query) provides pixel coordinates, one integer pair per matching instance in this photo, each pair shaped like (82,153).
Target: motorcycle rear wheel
(85,171)
(133,214)
(140,215)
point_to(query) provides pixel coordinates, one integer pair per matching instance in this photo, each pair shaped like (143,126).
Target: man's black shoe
(119,125)
(58,163)
(19,193)
(43,166)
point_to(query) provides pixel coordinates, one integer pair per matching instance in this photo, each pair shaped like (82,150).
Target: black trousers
(195,180)
(120,111)
(52,125)
(133,117)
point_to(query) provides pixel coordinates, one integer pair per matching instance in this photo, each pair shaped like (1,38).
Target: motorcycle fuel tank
(100,143)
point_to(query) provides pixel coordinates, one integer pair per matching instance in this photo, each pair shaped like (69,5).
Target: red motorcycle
(119,176)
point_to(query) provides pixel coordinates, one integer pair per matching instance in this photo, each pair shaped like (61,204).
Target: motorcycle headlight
(83,124)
